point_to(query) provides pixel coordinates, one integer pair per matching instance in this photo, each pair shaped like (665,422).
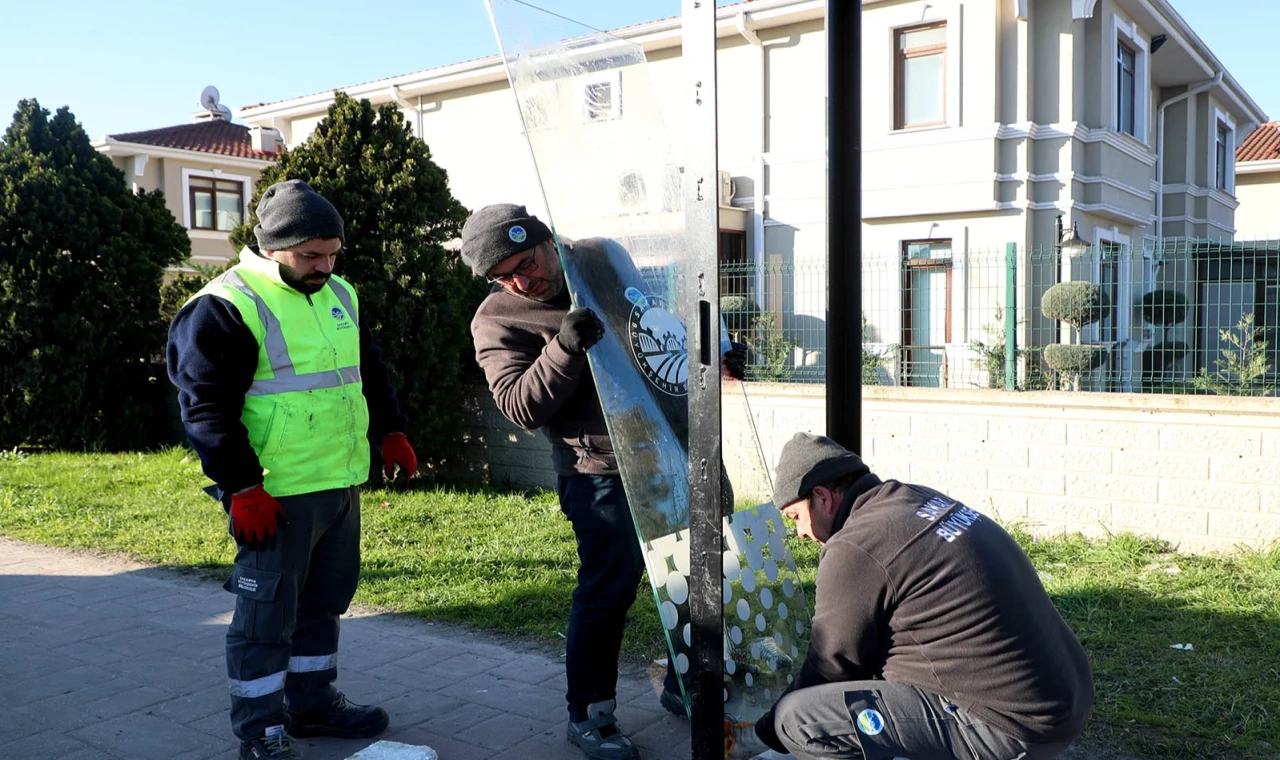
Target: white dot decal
(682,663)
(749,679)
(794,652)
(760,623)
(744,609)
(677,588)
(748,581)
(777,638)
(688,635)
(670,615)
(736,635)
(754,557)
(782,610)
(771,571)
(788,588)
(681,557)
(766,598)
(755,650)
(728,592)
(730,666)
(799,627)
(731,566)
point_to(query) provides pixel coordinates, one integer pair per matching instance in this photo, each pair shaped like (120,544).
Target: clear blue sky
(141,65)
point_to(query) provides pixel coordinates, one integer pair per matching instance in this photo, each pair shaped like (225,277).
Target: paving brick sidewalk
(102,659)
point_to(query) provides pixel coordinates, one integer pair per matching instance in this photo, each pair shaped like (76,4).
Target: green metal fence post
(1011,316)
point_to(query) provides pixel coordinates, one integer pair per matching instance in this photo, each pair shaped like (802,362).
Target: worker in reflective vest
(280,387)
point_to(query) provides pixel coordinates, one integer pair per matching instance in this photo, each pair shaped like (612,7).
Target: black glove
(579,330)
(735,361)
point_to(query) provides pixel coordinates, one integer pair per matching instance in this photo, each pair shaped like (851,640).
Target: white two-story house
(984,121)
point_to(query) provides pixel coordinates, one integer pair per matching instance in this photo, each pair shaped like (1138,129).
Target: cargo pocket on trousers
(255,585)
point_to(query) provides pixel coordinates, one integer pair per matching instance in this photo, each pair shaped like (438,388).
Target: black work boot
(342,719)
(274,744)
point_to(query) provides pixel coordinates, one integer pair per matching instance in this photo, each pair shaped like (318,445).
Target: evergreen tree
(81,262)
(416,297)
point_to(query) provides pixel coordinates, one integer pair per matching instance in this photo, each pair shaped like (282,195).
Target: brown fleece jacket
(539,385)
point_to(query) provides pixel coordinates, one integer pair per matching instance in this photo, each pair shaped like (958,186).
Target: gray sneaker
(274,744)
(599,737)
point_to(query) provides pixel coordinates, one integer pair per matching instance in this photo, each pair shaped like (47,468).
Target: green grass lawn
(505,562)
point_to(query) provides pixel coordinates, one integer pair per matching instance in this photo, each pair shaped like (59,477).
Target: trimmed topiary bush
(1164,307)
(738,312)
(1076,303)
(1074,359)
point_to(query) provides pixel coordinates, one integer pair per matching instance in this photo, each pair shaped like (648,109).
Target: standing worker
(280,386)
(533,348)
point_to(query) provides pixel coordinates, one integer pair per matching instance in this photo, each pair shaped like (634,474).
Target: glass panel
(915,38)
(923,89)
(199,182)
(613,189)
(928,323)
(1126,92)
(1270,319)
(929,249)
(229,211)
(202,214)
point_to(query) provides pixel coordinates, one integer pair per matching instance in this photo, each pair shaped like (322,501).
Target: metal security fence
(1182,317)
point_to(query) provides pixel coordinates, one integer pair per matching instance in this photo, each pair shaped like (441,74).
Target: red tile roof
(212,136)
(1263,144)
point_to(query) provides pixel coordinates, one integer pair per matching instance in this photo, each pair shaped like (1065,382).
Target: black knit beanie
(808,461)
(496,232)
(291,213)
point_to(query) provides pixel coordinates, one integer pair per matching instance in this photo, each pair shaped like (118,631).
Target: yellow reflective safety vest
(305,411)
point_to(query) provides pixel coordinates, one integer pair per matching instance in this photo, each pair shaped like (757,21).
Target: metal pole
(701,310)
(1010,316)
(844,223)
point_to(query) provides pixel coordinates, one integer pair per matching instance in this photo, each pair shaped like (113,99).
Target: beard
(296,280)
(554,280)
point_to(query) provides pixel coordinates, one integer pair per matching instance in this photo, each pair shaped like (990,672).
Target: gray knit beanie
(291,213)
(497,232)
(808,461)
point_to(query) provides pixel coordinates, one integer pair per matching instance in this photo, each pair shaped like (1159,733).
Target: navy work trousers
(610,565)
(282,645)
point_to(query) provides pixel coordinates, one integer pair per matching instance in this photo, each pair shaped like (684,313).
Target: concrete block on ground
(385,750)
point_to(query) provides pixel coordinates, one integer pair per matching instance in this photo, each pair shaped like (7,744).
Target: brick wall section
(1200,472)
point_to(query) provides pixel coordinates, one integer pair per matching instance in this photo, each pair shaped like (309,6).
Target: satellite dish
(209,98)
(223,111)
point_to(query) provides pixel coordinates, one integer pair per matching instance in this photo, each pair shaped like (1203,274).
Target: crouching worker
(932,637)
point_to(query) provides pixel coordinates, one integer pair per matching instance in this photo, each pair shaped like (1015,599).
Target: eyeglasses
(525,269)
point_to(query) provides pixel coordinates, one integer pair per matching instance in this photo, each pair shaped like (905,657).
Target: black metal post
(844,223)
(701,310)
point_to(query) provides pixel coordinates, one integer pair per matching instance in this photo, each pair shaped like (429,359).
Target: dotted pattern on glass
(766,614)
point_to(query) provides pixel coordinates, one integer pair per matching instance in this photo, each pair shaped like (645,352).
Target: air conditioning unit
(726,189)
(266,139)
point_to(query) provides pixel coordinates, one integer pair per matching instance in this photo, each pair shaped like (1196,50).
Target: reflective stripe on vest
(286,379)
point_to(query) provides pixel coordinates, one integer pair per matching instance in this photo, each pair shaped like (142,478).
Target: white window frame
(917,14)
(1123,314)
(187,174)
(1224,118)
(613,78)
(1129,33)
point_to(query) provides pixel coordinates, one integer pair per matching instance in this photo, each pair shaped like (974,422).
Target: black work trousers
(610,565)
(282,645)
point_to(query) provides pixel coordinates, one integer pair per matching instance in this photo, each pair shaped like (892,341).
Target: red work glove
(255,515)
(397,451)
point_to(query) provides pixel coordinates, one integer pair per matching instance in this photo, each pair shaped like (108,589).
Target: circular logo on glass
(659,343)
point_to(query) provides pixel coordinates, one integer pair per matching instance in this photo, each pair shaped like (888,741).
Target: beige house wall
(1258,217)
(208,247)
(1202,473)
